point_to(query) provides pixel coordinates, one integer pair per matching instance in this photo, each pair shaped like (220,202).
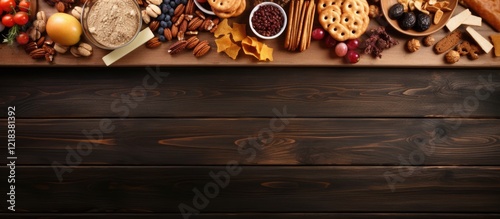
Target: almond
(192,42)
(201,49)
(60,7)
(153,43)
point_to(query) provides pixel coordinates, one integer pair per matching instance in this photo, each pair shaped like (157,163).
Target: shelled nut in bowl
(111,24)
(267,20)
(204,6)
(421,9)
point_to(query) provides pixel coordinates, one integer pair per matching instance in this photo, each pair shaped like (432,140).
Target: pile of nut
(63,5)
(186,21)
(41,48)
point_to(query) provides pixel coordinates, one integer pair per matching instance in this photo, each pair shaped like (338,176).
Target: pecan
(192,42)
(49,57)
(213,29)
(61,7)
(189,7)
(216,20)
(167,33)
(184,26)
(177,47)
(49,50)
(37,54)
(195,23)
(201,49)
(174,30)
(200,14)
(154,25)
(30,47)
(180,35)
(207,25)
(179,10)
(153,43)
(188,17)
(179,20)
(40,42)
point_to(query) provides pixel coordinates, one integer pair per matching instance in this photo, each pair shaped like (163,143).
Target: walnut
(374,11)
(429,40)
(452,56)
(413,45)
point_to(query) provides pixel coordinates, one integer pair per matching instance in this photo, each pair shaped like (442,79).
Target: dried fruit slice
(437,16)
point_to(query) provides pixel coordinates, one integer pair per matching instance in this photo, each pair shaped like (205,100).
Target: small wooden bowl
(386,4)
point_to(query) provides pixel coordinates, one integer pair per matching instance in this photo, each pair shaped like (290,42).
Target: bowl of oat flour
(111,24)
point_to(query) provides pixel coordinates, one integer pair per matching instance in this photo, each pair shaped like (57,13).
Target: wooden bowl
(386,4)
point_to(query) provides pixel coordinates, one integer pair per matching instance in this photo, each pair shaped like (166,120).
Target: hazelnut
(452,56)
(374,11)
(413,45)
(429,40)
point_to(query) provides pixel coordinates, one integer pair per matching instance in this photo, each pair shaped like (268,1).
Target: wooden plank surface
(301,142)
(261,216)
(316,55)
(258,189)
(252,92)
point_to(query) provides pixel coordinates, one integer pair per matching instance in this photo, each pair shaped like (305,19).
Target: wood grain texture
(258,189)
(301,142)
(259,215)
(252,92)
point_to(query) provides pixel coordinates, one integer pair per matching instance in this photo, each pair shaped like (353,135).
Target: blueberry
(171,12)
(177,2)
(160,30)
(169,24)
(184,2)
(172,3)
(160,17)
(162,38)
(167,17)
(169,6)
(163,24)
(166,1)
(164,9)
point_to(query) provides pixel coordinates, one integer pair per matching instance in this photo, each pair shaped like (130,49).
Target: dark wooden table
(253,142)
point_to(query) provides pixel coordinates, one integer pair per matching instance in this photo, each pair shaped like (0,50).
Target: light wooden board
(316,55)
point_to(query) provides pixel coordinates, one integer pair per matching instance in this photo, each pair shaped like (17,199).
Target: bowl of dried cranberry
(267,20)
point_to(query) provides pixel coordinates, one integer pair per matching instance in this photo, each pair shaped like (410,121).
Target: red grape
(330,42)
(341,49)
(318,33)
(353,44)
(352,57)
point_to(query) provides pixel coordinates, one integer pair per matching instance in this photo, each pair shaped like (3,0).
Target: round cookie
(344,19)
(238,11)
(227,6)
